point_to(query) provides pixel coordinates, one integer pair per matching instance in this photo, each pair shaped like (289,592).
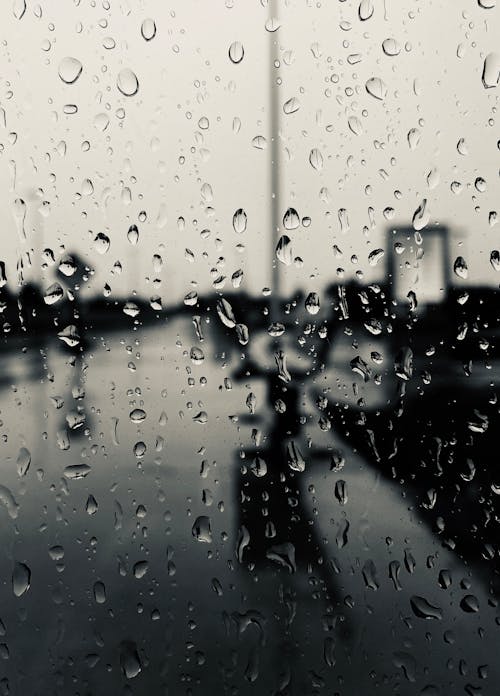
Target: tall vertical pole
(274,106)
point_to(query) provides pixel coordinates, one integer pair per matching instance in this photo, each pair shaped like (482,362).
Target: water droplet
(53,294)
(341,492)
(148,29)
(376,88)
(201,529)
(19,8)
(197,356)
(291,219)
(403,363)
(70,336)
(355,125)
(259,142)
(133,235)
(316,159)
(421,216)
(236,52)
(469,604)
(239,221)
(242,333)
(127,82)
(295,459)
(360,367)
(424,610)
(91,505)
(312,303)
(101,243)
(487,4)
(77,471)
(23,461)
(137,415)
(140,569)
(365,10)
(67,266)
(283,373)
(226,314)
(99,590)
(460,267)
(491,70)
(242,542)
(375,256)
(21,579)
(272,24)
(284,251)
(70,70)
(129,659)
(9,502)
(495,259)
(283,555)
(391,47)
(413,138)
(291,106)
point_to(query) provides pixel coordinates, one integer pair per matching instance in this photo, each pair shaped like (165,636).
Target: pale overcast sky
(194,119)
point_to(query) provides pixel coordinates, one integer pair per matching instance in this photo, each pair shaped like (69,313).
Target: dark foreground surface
(185,540)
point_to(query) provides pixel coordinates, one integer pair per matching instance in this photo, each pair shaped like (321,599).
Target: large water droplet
(225,312)
(201,529)
(316,159)
(148,29)
(283,555)
(236,52)
(129,659)
(365,10)
(239,221)
(291,219)
(421,216)
(99,592)
(460,267)
(291,106)
(77,471)
(376,88)
(424,610)
(21,579)
(137,415)
(312,303)
(23,461)
(284,252)
(391,47)
(127,82)
(101,243)
(70,70)
(19,8)
(491,70)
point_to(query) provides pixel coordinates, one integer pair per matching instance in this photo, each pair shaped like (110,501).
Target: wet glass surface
(249,347)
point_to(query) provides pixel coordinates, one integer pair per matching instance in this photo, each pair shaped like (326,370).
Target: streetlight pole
(274,163)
